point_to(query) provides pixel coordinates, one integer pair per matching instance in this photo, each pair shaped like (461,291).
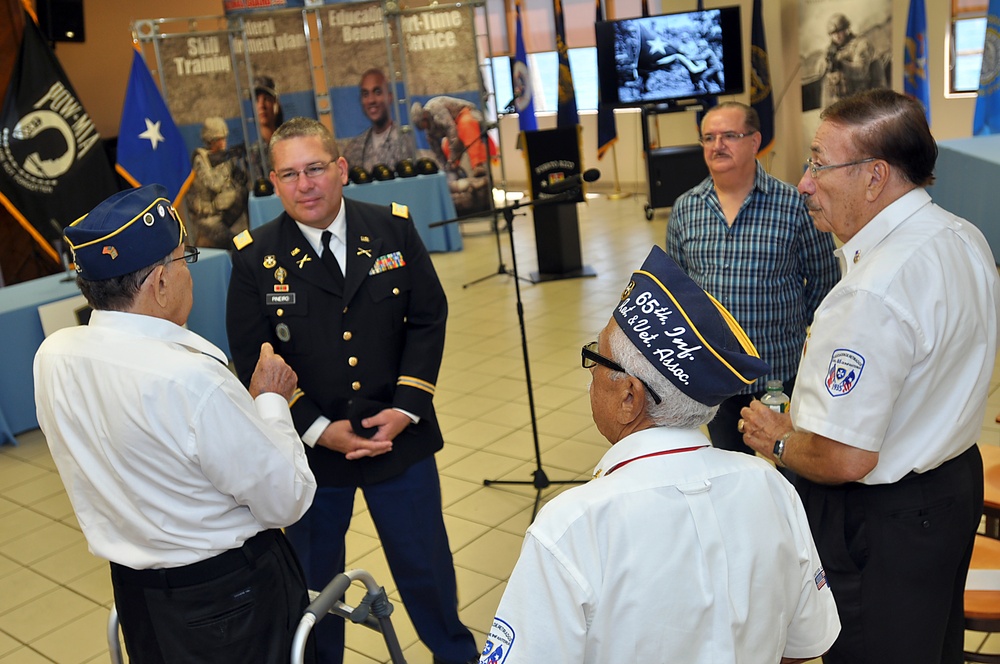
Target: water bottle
(775,399)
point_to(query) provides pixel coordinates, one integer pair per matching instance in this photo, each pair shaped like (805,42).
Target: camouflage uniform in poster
(218,198)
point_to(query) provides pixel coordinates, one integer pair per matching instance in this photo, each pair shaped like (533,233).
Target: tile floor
(54,596)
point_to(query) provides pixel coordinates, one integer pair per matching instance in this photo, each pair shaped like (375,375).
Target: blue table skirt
(427,196)
(22,330)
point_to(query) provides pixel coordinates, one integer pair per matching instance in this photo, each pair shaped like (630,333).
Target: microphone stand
(540,480)
(501,266)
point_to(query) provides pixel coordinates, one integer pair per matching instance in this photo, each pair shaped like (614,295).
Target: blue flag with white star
(915,81)
(987,117)
(150,147)
(524,100)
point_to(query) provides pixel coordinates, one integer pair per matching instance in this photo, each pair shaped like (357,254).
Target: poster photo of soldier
(845,48)
(368,122)
(669,57)
(217,200)
(281,83)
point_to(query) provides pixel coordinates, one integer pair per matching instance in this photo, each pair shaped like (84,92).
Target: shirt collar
(338,227)
(885,222)
(158,328)
(646,442)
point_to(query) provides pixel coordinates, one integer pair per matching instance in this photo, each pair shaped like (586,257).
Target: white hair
(675,409)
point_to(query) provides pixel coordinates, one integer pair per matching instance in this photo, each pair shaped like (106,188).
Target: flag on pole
(915,81)
(607,133)
(987,117)
(53,168)
(566,115)
(524,101)
(645,8)
(761,95)
(150,147)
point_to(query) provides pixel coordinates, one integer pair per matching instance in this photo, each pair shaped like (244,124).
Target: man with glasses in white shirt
(745,237)
(177,475)
(347,293)
(892,387)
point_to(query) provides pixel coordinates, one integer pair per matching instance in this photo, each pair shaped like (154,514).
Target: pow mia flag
(52,160)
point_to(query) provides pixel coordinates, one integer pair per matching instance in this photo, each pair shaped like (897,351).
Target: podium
(554,155)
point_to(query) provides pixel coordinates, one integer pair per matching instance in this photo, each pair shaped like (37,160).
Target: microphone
(572,182)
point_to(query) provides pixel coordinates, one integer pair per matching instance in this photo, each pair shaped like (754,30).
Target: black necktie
(330,261)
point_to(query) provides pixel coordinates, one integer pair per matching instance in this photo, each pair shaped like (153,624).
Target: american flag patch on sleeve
(820,578)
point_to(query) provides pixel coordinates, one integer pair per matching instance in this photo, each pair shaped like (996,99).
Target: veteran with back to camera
(676,551)
(366,342)
(892,387)
(177,475)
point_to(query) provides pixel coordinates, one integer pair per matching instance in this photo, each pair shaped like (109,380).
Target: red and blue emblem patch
(498,643)
(844,372)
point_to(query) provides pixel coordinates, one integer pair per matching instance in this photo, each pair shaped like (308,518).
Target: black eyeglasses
(190,255)
(591,357)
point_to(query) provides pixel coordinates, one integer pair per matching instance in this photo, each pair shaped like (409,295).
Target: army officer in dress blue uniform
(366,343)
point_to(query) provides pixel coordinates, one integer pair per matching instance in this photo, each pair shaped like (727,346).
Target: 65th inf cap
(128,231)
(686,334)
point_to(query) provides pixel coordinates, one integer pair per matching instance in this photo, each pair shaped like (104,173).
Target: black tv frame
(655,59)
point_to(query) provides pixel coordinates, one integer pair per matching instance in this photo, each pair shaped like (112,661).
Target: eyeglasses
(725,137)
(312,171)
(815,170)
(190,255)
(590,358)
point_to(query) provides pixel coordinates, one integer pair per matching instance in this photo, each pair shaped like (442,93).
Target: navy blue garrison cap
(130,230)
(685,333)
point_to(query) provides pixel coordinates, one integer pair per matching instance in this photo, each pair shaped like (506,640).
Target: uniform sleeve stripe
(296,395)
(412,381)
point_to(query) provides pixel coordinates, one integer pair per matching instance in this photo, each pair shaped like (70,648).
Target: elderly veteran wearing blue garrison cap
(675,551)
(178,475)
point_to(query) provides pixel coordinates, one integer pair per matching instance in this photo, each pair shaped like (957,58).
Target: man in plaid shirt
(746,238)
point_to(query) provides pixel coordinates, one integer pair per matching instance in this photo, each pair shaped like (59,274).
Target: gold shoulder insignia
(400,210)
(242,240)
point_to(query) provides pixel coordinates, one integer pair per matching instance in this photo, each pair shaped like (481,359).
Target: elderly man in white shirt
(178,476)
(676,551)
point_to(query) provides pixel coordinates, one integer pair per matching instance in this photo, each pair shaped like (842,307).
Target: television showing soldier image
(665,58)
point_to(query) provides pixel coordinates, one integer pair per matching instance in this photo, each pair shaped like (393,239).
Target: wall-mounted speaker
(61,20)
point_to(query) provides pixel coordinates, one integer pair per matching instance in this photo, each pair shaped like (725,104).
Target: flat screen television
(672,57)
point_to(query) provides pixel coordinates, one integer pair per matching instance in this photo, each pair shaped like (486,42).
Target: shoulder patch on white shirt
(844,372)
(498,643)
(820,578)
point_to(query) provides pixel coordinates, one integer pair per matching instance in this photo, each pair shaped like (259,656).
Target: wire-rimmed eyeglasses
(725,137)
(815,169)
(590,357)
(312,171)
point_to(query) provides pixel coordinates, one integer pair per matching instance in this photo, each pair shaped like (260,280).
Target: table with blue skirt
(427,197)
(22,327)
(967,173)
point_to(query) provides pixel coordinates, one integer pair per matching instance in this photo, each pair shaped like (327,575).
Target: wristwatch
(779,448)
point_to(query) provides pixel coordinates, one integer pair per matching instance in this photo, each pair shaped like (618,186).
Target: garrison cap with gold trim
(130,230)
(685,333)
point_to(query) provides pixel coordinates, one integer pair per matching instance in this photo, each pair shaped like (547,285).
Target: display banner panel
(231,7)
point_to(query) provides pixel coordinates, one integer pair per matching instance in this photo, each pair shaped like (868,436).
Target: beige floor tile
(475,434)
(455,486)
(495,550)
(36,489)
(41,543)
(77,641)
(8,644)
(8,566)
(14,472)
(46,614)
(19,523)
(95,586)
(7,506)
(23,586)
(24,655)
(70,563)
(489,506)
